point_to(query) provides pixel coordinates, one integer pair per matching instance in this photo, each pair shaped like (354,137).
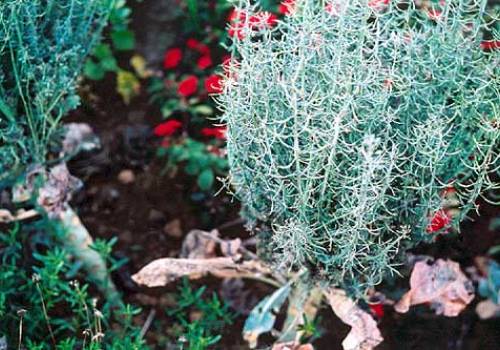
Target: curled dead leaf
(230,247)
(57,190)
(292,346)
(199,244)
(364,334)
(161,272)
(6,216)
(442,284)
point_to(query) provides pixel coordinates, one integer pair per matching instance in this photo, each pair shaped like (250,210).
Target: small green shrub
(346,122)
(203,332)
(40,295)
(43,44)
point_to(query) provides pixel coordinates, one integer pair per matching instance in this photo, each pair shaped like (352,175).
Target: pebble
(173,228)
(126,176)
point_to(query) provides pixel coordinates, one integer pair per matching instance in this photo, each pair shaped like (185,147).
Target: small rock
(173,228)
(126,176)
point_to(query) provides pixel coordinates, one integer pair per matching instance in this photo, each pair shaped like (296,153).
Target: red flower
(192,43)
(204,62)
(490,45)
(172,58)
(236,15)
(286,7)
(263,20)
(258,21)
(440,220)
(213,84)
(167,128)
(203,49)
(378,5)
(377,309)
(217,132)
(188,86)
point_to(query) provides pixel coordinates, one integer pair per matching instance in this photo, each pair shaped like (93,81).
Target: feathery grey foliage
(348,120)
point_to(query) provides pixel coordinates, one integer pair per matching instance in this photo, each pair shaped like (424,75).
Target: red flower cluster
(194,44)
(172,58)
(286,7)
(378,5)
(240,20)
(440,220)
(490,45)
(213,84)
(167,128)
(377,310)
(204,62)
(188,86)
(217,132)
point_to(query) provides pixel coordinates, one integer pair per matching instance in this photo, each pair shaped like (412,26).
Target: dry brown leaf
(199,244)
(364,334)
(163,271)
(57,190)
(230,247)
(292,346)
(6,216)
(442,284)
(173,228)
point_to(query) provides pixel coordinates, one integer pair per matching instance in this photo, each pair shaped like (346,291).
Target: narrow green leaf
(5,109)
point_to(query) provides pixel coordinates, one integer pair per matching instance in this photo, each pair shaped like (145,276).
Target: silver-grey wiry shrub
(346,122)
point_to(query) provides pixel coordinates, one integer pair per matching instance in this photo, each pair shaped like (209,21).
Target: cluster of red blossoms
(240,21)
(190,84)
(170,127)
(441,220)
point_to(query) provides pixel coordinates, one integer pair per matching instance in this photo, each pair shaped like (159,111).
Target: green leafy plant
(42,304)
(202,333)
(197,161)
(103,60)
(346,123)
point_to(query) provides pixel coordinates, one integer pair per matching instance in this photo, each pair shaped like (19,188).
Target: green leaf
(102,51)
(109,64)
(5,109)
(262,318)
(192,168)
(206,179)
(123,40)
(93,70)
